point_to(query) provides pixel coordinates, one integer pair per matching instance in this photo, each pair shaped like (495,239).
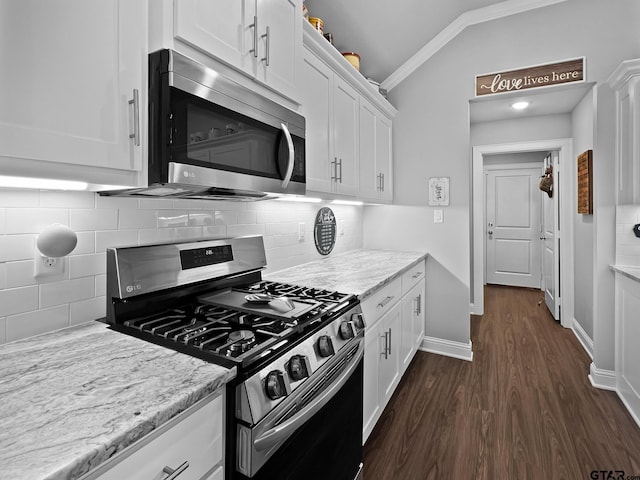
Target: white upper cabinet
(345,134)
(625,80)
(376,181)
(73,96)
(260,38)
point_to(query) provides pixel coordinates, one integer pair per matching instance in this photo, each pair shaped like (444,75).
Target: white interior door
(551,240)
(513,227)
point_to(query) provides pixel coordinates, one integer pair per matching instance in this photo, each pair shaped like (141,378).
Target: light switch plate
(301,231)
(438,216)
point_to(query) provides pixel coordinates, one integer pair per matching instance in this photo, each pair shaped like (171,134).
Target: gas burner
(243,340)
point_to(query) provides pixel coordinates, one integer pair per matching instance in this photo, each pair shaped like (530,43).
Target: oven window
(209,135)
(328,446)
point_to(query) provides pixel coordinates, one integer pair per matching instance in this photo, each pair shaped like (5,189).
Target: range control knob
(298,367)
(275,385)
(325,346)
(358,320)
(347,330)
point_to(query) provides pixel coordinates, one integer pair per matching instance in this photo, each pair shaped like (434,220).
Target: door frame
(564,146)
(506,166)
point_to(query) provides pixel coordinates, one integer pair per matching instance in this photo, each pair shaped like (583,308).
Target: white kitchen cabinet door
(412,324)
(389,371)
(218,474)
(317,94)
(345,135)
(69,72)
(371,408)
(279,44)
(384,155)
(219,27)
(369,185)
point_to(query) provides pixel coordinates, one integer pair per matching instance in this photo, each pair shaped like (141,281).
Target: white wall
(432,132)
(29,306)
(582,121)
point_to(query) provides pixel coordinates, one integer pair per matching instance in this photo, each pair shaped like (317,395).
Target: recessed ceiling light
(520,105)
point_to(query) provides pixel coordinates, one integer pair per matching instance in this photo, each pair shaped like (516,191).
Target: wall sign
(531,77)
(324,231)
(585,182)
(439,191)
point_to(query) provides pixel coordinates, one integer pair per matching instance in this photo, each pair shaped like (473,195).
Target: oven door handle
(292,156)
(284,430)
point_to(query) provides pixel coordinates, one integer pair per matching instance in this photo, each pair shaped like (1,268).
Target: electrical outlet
(341,229)
(438,216)
(301,231)
(47,266)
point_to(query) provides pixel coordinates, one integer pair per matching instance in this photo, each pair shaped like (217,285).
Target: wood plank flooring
(523,409)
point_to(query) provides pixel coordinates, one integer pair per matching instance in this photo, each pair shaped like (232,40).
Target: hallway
(523,409)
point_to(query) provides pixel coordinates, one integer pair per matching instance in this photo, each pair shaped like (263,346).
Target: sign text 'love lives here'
(531,77)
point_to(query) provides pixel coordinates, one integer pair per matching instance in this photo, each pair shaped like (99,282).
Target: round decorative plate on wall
(324,231)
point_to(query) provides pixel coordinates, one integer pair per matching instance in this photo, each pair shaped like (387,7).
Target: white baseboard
(602,379)
(448,348)
(582,337)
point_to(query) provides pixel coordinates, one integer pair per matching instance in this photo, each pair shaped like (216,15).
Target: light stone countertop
(360,272)
(632,272)
(71,399)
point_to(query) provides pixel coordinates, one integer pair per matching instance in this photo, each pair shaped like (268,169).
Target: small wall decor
(439,191)
(324,231)
(585,182)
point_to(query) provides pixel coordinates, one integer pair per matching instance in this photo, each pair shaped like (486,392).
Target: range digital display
(201,257)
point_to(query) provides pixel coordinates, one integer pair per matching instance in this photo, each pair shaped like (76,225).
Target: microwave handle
(289,173)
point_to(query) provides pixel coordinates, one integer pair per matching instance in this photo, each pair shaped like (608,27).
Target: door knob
(490,229)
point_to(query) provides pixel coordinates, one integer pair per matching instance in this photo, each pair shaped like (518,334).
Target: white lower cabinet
(192,442)
(395,328)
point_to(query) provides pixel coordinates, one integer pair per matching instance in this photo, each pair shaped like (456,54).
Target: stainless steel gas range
(294,410)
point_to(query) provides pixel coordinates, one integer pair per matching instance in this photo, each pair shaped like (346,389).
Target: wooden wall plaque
(585,182)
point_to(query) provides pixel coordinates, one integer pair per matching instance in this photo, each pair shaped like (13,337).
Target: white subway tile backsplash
(59,293)
(128,219)
(17,247)
(19,198)
(29,306)
(171,219)
(87,265)
(34,220)
(54,199)
(36,322)
(115,238)
(86,243)
(93,219)
(101,285)
(18,300)
(87,310)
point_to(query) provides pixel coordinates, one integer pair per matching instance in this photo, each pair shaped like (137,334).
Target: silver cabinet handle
(389,343)
(334,165)
(385,301)
(254,25)
(418,304)
(379,182)
(382,182)
(173,473)
(266,36)
(385,350)
(135,101)
(416,275)
(292,156)
(340,177)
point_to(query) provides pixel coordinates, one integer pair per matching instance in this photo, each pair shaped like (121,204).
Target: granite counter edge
(391,278)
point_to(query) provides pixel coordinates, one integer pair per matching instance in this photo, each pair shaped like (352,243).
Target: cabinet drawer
(197,439)
(412,277)
(381,302)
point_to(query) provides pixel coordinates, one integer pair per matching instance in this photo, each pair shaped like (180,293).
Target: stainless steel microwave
(210,137)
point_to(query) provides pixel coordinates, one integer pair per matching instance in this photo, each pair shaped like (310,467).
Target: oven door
(315,435)
(207,130)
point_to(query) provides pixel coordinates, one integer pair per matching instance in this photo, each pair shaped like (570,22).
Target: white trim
(630,398)
(567,188)
(602,379)
(462,351)
(583,338)
(467,19)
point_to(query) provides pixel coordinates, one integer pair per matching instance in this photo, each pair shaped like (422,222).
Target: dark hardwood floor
(523,409)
